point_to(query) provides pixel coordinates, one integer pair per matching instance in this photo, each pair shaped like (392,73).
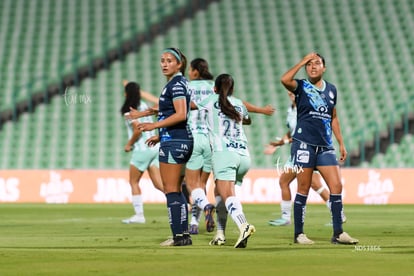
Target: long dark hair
(201,65)
(132,97)
(224,87)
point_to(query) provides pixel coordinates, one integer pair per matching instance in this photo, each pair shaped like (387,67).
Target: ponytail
(224,84)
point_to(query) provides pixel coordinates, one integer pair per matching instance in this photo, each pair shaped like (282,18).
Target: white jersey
(140,143)
(225,133)
(291,119)
(199,90)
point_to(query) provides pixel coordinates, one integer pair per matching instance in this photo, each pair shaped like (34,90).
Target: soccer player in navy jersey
(312,146)
(289,174)
(176,141)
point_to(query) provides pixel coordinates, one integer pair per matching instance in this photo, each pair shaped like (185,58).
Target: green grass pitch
(89,239)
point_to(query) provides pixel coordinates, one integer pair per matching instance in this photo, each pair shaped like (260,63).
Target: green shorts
(201,156)
(143,159)
(230,166)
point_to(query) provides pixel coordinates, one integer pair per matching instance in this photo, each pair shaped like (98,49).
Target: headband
(174,52)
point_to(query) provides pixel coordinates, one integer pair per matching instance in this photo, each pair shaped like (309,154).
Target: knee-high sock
(286,208)
(195,214)
(336,210)
(199,197)
(235,210)
(137,204)
(184,214)
(174,206)
(221,212)
(299,211)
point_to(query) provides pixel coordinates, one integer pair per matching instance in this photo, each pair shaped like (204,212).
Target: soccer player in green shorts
(143,157)
(231,158)
(199,166)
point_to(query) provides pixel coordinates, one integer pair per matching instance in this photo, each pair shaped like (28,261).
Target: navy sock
(184,214)
(336,209)
(299,211)
(174,206)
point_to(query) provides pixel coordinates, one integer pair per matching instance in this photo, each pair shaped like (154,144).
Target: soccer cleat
(302,239)
(218,240)
(193,229)
(208,212)
(182,240)
(134,219)
(279,222)
(246,230)
(168,242)
(344,238)
(179,240)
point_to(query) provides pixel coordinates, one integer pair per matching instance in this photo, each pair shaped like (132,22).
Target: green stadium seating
(368,49)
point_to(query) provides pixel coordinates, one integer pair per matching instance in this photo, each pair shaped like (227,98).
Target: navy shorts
(309,156)
(175,151)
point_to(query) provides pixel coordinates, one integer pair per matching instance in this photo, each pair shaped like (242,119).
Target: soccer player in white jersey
(198,168)
(231,158)
(143,157)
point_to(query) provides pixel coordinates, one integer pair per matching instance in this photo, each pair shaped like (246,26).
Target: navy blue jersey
(176,88)
(314,112)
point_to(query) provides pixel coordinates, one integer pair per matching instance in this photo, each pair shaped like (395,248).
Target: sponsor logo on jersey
(302,156)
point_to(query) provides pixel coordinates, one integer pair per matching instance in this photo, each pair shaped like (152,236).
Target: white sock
(138,205)
(199,197)
(220,233)
(235,210)
(195,215)
(286,208)
(221,212)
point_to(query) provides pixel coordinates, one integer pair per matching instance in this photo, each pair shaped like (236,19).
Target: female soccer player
(312,146)
(176,141)
(288,174)
(231,159)
(143,157)
(198,168)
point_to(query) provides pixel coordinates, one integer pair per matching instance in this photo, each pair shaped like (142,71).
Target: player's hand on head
(309,57)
